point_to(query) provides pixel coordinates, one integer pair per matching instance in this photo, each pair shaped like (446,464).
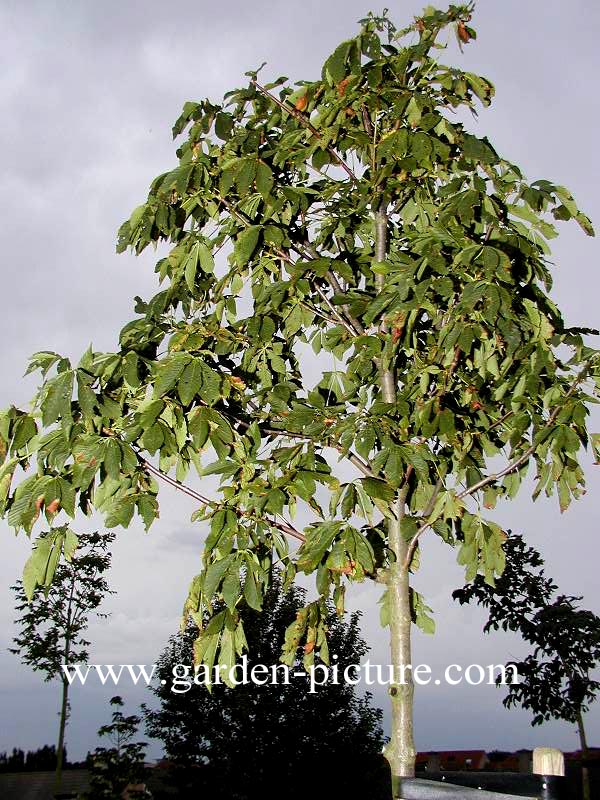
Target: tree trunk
(400,750)
(64,707)
(60,748)
(585,775)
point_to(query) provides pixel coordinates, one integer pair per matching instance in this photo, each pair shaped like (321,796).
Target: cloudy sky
(88,93)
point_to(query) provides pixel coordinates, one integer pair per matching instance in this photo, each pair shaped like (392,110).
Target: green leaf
(6,474)
(41,565)
(231,587)
(206,258)
(112,459)
(245,244)
(251,591)
(147,507)
(190,266)
(264,180)
(168,373)
(130,370)
(214,575)
(210,389)
(421,613)
(57,398)
(334,69)
(223,125)
(378,489)
(190,382)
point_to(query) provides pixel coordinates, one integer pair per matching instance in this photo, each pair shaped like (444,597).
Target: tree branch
(351,318)
(515,464)
(353,458)
(351,324)
(286,528)
(362,465)
(304,120)
(388,385)
(434,496)
(334,311)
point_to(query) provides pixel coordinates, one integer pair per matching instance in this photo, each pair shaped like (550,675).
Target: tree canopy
(254,741)
(557,679)
(118,770)
(54,602)
(354,214)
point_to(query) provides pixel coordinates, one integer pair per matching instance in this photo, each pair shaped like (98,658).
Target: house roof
(456,759)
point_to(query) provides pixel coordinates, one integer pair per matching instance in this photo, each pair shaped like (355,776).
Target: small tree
(54,602)
(256,741)
(556,679)
(354,213)
(120,768)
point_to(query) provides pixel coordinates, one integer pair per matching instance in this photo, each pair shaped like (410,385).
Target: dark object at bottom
(553,787)
(538,787)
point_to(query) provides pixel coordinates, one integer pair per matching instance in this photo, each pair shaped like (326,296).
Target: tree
(44,758)
(15,762)
(252,740)
(353,213)
(54,602)
(120,768)
(556,678)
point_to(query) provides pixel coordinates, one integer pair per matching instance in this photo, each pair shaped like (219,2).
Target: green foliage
(213,738)
(120,767)
(55,600)
(556,680)
(40,568)
(270,218)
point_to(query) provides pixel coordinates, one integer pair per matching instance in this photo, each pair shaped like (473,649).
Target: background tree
(54,602)
(256,741)
(355,213)
(120,767)
(556,678)
(13,762)
(42,759)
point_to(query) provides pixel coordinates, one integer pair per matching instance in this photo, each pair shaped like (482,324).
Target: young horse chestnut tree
(351,213)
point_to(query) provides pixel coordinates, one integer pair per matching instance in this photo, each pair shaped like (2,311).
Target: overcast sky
(89,91)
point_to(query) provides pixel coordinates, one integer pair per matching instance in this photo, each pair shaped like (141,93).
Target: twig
(304,120)
(282,526)
(334,311)
(333,281)
(505,471)
(434,496)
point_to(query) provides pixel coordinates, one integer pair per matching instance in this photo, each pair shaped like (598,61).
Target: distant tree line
(40,760)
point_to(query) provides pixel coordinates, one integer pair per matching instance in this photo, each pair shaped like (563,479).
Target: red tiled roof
(456,759)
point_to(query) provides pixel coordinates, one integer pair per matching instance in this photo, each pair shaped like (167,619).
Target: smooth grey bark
(400,750)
